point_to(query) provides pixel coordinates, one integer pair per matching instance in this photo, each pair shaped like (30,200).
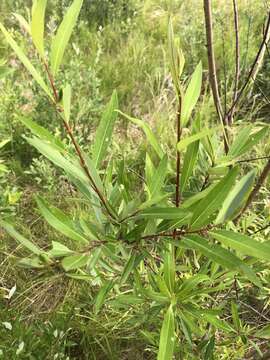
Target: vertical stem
(212,68)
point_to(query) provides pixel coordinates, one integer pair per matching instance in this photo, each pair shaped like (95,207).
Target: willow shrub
(173,251)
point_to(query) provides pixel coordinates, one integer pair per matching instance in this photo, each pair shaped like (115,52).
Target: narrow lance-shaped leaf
(192,138)
(37,24)
(128,269)
(148,132)
(176,58)
(158,178)
(163,213)
(219,255)
(246,245)
(207,207)
(167,338)
(59,221)
(192,94)
(101,296)
(104,131)
(189,162)
(26,62)
(21,239)
(63,35)
(74,262)
(236,198)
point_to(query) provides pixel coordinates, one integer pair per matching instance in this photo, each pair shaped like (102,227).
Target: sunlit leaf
(63,34)
(192,94)
(104,131)
(26,62)
(37,24)
(236,197)
(167,338)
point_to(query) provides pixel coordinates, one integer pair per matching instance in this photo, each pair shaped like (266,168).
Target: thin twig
(75,144)
(252,159)
(255,66)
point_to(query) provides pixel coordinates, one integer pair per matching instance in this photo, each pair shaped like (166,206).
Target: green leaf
(248,142)
(192,138)
(59,221)
(240,141)
(176,58)
(219,255)
(169,268)
(37,24)
(67,101)
(188,165)
(104,131)
(31,263)
(158,178)
(63,34)
(213,201)
(41,132)
(101,296)
(4,142)
(167,338)
(26,61)
(127,269)
(217,323)
(162,213)
(59,250)
(148,132)
(74,262)
(21,239)
(236,198)
(192,94)
(49,151)
(235,316)
(243,243)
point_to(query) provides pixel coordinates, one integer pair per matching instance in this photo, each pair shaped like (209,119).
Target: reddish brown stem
(75,144)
